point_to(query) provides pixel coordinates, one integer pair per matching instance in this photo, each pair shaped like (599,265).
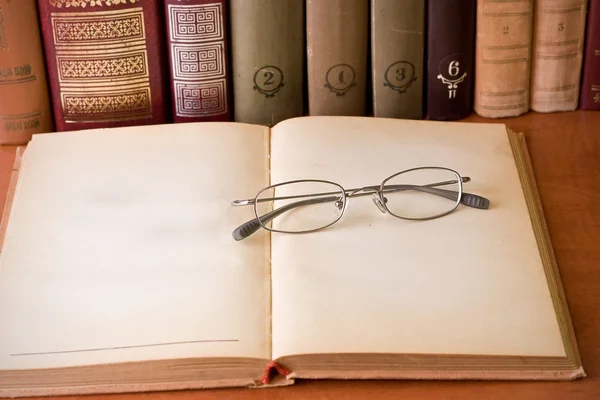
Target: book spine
(24,98)
(450,58)
(267,45)
(337,38)
(197,33)
(105,62)
(558,38)
(397,58)
(503,58)
(590,85)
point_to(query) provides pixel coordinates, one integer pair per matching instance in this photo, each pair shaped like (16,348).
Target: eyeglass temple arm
(468,199)
(248,228)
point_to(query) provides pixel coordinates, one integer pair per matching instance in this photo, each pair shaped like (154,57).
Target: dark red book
(105,62)
(450,58)
(590,83)
(198,60)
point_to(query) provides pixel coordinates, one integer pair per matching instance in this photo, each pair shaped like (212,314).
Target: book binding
(105,62)
(590,84)
(450,59)
(24,98)
(196,32)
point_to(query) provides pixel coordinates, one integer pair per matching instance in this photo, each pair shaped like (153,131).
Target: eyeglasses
(308,205)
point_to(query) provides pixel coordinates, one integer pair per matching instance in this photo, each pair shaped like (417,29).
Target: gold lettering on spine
(89,3)
(102,63)
(3,40)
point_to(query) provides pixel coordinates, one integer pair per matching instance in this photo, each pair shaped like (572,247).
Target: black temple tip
(475,201)
(246,229)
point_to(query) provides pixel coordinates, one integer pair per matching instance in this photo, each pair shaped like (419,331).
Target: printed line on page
(124,347)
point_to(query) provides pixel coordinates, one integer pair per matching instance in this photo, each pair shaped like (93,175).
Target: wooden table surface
(565,152)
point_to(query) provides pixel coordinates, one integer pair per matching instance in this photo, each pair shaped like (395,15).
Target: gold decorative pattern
(89,3)
(78,29)
(102,63)
(112,105)
(120,66)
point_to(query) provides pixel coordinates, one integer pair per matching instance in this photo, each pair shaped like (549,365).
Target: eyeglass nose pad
(378,203)
(339,204)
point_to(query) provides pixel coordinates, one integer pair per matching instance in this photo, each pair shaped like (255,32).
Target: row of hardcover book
(78,64)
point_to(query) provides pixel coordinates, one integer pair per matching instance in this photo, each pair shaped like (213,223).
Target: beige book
(337,35)
(119,270)
(397,58)
(25,107)
(503,58)
(558,40)
(267,44)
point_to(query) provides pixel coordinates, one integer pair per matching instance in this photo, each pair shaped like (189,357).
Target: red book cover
(198,61)
(590,84)
(105,62)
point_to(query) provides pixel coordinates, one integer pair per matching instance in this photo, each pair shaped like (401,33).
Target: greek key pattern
(198,59)
(102,63)
(203,98)
(196,62)
(199,23)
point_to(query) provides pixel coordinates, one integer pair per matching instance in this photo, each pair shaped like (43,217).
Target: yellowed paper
(469,283)
(160,276)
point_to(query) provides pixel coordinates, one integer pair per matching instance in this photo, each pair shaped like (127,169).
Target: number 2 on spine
(269,75)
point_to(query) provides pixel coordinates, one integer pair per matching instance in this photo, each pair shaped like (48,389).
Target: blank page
(119,248)
(471,282)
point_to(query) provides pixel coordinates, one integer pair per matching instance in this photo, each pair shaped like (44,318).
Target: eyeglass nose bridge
(378,202)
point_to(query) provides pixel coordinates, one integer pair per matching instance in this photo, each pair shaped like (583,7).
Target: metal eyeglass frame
(340,197)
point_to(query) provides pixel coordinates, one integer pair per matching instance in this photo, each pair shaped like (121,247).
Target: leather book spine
(197,33)
(503,58)
(24,98)
(450,58)
(337,39)
(105,62)
(397,58)
(590,84)
(267,46)
(558,39)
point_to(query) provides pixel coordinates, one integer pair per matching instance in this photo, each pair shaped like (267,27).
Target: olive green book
(267,45)
(337,34)
(397,58)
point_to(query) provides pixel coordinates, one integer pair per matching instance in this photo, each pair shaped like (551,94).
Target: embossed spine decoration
(590,84)
(503,57)
(24,98)
(337,37)
(197,43)
(105,62)
(267,46)
(450,58)
(397,46)
(559,27)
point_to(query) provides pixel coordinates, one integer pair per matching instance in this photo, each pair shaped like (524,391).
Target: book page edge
(524,166)
(10,195)
(139,388)
(444,374)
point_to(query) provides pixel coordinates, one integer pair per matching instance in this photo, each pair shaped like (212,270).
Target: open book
(119,270)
